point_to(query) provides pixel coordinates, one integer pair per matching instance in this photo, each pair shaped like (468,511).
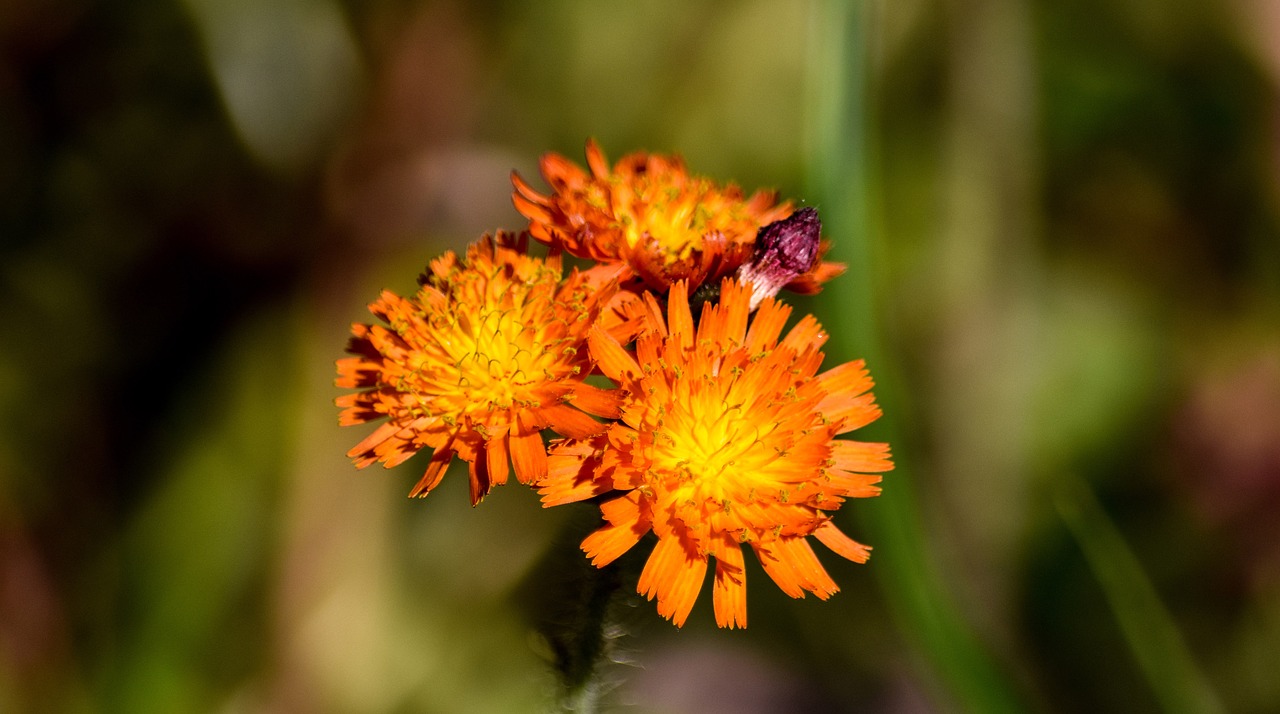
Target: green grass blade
(842,186)
(1144,620)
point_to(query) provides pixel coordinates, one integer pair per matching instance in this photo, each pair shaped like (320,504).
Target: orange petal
(730,591)
(559,171)
(435,471)
(779,570)
(625,509)
(842,544)
(805,562)
(612,359)
(679,318)
(478,470)
(593,400)
(529,209)
(595,159)
(848,380)
(357,408)
(770,318)
(624,315)
(524,189)
(366,445)
(791,563)
(443,265)
(357,373)
(652,312)
(861,456)
(674,575)
(529,455)
(567,421)
(359,343)
(735,301)
(848,413)
(649,349)
(496,459)
(854,485)
(606,544)
(811,282)
(807,333)
(432,298)
(571,472)
(558,492)
(400,448)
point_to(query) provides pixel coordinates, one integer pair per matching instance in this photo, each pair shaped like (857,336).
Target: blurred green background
(1061,223)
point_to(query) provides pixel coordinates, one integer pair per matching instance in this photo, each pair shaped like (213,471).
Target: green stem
(571,606)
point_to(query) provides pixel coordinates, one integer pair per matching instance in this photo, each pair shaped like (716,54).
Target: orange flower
(488,354)
(727,437)
(649,213)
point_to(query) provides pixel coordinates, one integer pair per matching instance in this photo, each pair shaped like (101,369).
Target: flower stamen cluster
(486,356)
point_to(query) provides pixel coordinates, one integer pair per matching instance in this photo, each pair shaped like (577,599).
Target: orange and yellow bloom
(650,214)
(726,437)
(488,354)
(712,429)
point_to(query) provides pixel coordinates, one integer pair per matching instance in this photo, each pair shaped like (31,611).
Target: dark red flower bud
(784,250)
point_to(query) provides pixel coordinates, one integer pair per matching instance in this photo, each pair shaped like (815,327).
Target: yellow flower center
(718,443)
(677,215)
(496,347)
(496,356)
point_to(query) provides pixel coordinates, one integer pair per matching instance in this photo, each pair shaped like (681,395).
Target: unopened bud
(784,250)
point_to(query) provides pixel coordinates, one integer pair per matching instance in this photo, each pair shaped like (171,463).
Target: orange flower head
(727,437)
(649,213)
(488,354)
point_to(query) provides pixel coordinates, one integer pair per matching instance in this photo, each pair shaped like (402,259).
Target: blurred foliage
(1066,272)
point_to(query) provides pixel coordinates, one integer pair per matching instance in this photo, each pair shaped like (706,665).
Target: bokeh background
(1061,225)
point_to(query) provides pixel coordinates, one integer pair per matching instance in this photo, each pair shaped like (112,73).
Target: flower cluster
(714,430)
